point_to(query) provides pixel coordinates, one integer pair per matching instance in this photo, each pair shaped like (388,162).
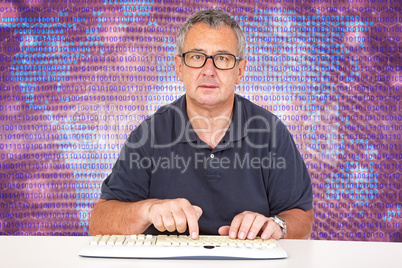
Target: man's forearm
(298,223)
(116,217)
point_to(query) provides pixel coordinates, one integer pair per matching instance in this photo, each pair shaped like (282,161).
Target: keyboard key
(148,240)
(163,240)
(104,240)
(139,242)
(120,239)
(112,240)
(131,240)
(95,240)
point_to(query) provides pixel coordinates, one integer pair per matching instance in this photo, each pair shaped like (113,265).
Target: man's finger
(269,230)
(192,221)
(224,230)
(235,225)
(246,224)
(158,223)
(180,221)
(168,221)
(198,210)
(258,225)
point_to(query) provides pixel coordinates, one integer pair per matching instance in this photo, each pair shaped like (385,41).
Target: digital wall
(77,76)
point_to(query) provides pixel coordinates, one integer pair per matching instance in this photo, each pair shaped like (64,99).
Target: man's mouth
(208,86)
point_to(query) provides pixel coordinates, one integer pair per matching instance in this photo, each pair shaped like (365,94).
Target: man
(211,162)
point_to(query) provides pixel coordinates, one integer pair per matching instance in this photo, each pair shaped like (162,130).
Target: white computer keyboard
(181,247)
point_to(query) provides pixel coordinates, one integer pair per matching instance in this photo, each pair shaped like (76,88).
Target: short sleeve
(289,183)
(130,177)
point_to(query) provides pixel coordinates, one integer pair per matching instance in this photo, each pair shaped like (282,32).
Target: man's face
(209,87)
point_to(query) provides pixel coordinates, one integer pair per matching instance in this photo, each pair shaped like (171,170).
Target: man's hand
(175,214)
(250,224)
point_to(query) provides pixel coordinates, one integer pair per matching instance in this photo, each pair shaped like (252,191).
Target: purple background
(61,130)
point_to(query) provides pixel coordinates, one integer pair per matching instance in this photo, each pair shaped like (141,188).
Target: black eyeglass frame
(209,57)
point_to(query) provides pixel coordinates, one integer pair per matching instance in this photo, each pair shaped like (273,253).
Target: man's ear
(178,67)
(242,69)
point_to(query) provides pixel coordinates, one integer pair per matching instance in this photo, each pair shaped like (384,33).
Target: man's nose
(209,67)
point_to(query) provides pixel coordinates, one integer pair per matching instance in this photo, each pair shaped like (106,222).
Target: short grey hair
(214,18)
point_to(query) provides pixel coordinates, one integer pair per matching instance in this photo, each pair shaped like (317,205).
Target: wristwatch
(282,223)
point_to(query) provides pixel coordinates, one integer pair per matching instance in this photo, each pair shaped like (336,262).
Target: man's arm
(298,223)
(250,224)
(117,217)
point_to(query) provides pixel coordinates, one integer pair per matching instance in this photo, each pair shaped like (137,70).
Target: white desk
(19,251)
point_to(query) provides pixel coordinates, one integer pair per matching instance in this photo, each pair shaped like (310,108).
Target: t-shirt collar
(235,131)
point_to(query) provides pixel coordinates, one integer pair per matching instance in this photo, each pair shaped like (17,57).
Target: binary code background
(76,77)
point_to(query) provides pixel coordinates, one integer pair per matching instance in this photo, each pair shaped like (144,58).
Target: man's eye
(222,58)
(196,57)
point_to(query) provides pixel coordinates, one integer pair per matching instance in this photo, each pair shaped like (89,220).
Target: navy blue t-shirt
(255,167)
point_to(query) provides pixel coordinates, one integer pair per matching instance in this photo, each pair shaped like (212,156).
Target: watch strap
(281,222)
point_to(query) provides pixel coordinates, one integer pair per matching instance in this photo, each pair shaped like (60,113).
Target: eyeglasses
(222,61)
